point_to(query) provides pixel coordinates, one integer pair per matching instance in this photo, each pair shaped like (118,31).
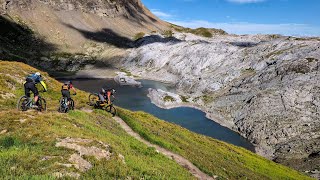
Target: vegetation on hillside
(204,32)
(138,36)
(28,142)
(28,139)
(211,156)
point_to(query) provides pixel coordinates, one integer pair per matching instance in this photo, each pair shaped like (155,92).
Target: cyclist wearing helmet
(30,85)
(65,90)
(106,94)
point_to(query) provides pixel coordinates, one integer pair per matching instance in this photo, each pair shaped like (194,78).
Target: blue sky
(286,17)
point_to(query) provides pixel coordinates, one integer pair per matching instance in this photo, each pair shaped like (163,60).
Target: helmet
(70,82)
(113,91)
(103,91)
(38,74)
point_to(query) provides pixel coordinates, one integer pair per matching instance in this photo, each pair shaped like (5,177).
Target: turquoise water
(136,99)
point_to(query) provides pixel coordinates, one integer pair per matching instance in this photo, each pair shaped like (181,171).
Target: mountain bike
(24,103)
(96,103)
(63,105)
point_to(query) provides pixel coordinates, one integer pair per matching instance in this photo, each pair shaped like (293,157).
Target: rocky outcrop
(164,99)
(267,87)
(88,29)
(124,80)
(83,148)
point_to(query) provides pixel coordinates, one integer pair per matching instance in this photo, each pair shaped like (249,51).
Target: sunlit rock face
(266,86)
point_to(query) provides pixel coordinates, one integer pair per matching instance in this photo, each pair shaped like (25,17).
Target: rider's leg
(26,90)
(35,91)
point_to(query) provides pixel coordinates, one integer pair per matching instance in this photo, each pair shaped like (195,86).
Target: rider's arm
(109,94)
(74,89)
(44,86)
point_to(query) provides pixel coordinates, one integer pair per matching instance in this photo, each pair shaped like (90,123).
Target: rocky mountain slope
(266,87)
(64,35)
(70,24)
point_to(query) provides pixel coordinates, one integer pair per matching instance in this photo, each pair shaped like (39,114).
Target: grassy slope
(211,156)
(25,144)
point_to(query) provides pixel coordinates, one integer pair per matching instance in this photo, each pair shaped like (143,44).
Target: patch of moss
(204,32)
(138,36)
(207,99)
(128,73)
(167,33)
(248,71)
(168,98)
(311,59)
(184,98)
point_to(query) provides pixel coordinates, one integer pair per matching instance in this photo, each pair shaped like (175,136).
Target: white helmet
(38,74)
(103,90)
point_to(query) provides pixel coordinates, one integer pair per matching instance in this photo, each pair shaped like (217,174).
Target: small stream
(136,99)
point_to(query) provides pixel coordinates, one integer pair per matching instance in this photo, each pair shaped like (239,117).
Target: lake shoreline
(211,115)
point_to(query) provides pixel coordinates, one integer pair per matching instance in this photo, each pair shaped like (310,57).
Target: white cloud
(245,1)
(255,28)
(160,14)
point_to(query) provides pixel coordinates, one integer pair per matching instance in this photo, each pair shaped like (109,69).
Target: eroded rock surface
(83,147)
(266,87)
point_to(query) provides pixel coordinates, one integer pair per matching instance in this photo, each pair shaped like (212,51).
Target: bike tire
(71,104)
(61,109)
(93,98)
(42,103)
(111,109)
(22,102)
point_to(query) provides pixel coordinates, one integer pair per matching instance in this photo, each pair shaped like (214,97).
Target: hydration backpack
(30,78)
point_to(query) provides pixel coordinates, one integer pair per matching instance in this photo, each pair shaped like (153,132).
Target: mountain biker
(65,90)
(30,85)
(106,94)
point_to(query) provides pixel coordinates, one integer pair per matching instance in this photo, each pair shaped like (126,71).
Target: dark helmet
(70,82)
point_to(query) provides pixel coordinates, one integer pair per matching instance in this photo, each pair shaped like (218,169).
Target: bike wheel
(111,109)
(71,104)
(22,104)
(42,104)
(62,108)
(93,98)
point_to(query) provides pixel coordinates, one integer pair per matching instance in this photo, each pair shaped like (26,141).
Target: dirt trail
(179,159)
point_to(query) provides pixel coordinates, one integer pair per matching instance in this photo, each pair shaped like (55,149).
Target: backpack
(30,78)
(65,87)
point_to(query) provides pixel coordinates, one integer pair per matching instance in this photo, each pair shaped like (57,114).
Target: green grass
(138,36)
(24,145)
(184,98)
(128,73)
(211,156)
(204,32)
(168,98)
(167,33)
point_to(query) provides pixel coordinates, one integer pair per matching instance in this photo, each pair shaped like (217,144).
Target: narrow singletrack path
(179,159)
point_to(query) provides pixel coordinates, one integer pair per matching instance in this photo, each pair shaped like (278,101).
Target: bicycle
(24,103)
(63,105)
(96,103)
